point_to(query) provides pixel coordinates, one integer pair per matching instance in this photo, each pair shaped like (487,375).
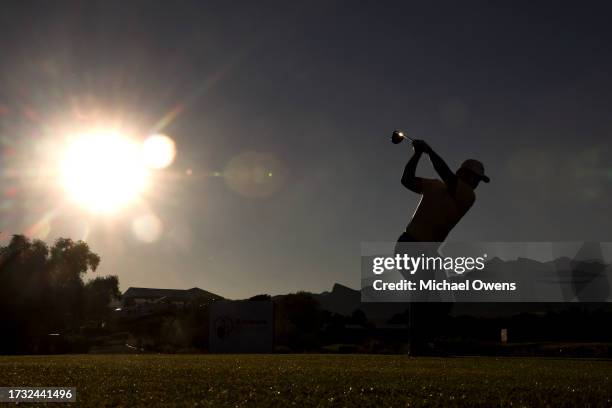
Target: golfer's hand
(421,146)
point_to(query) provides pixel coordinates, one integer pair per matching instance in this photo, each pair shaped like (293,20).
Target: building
(178,297)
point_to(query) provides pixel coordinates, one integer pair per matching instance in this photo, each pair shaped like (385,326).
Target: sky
(303,96)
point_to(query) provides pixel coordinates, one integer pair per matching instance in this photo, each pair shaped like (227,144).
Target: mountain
(341,299)
(344,300)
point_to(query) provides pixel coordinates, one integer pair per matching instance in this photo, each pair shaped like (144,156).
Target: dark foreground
(339,380)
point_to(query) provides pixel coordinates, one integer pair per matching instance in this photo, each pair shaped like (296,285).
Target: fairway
(311,380)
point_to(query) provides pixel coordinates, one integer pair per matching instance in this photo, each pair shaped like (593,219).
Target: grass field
(307,380)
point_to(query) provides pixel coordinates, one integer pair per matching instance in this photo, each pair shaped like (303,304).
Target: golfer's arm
(445,173)
(409,179)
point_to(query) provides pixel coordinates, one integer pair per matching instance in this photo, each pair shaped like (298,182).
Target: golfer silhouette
(443,203)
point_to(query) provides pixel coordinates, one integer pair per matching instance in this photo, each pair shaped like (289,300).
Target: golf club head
(397,137)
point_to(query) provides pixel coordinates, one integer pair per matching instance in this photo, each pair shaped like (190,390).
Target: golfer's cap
(475,167)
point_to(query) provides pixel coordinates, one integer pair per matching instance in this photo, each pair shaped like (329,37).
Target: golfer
(443,203)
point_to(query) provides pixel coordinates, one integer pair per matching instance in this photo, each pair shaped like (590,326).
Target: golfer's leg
(401,247)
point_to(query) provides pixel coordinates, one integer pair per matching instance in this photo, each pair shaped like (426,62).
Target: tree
(260,298)
(99,292)
(359,317)
(42,289)
(298,319)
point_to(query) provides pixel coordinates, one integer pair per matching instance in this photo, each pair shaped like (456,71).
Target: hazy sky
(310,92)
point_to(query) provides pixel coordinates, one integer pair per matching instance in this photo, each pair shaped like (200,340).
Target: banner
(241,327)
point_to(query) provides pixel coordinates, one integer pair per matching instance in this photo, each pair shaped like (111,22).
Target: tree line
(43,292)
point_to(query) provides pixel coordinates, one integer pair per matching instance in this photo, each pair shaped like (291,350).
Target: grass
(316,380)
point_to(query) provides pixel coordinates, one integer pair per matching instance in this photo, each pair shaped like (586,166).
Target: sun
(104,171)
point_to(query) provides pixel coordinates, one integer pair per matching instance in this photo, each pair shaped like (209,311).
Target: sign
(241,327)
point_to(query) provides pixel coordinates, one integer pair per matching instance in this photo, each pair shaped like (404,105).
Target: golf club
(398,137)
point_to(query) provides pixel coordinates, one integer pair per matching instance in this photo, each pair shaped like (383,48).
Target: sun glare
(104,171)
(159,151)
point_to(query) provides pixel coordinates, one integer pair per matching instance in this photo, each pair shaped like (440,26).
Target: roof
(154,293)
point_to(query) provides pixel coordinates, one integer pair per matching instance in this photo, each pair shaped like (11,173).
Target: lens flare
(147,228)
(251,174)
(159,151)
